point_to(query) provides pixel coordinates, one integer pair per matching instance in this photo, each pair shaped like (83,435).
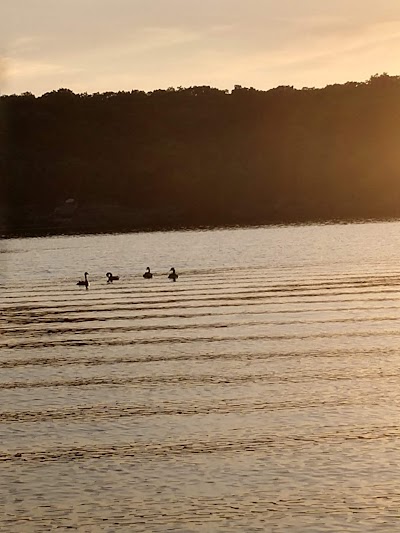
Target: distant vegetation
(200,156)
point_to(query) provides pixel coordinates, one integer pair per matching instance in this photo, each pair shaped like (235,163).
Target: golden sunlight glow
(131,45)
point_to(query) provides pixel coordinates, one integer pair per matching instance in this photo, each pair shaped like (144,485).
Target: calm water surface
(261,392)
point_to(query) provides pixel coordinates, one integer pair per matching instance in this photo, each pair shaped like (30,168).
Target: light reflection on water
(259,392)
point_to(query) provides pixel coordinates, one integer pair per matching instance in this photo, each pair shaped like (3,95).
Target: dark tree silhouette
(199,156)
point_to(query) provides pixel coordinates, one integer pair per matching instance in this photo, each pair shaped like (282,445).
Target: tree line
(201,156)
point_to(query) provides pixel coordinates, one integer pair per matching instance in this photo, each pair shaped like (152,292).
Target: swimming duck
(173,275)
(111,278)
(147,274)
(85,282)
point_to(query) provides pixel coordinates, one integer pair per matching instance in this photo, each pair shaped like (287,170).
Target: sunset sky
(111,45)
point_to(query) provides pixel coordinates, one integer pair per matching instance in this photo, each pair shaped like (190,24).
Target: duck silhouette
(111,278)
(172,274)
(85,282)
(147,274)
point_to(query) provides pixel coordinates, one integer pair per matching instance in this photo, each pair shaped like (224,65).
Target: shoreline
(68,230)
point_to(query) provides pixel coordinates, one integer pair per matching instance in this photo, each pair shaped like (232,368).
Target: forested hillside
(200,156)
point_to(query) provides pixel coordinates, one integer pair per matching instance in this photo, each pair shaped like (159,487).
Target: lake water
(260,392)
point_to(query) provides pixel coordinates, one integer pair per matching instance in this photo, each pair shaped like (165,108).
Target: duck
(172,274)
(111,278)
(85,282)
(147,274)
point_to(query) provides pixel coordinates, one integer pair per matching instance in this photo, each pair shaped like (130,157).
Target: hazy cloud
(91,45)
